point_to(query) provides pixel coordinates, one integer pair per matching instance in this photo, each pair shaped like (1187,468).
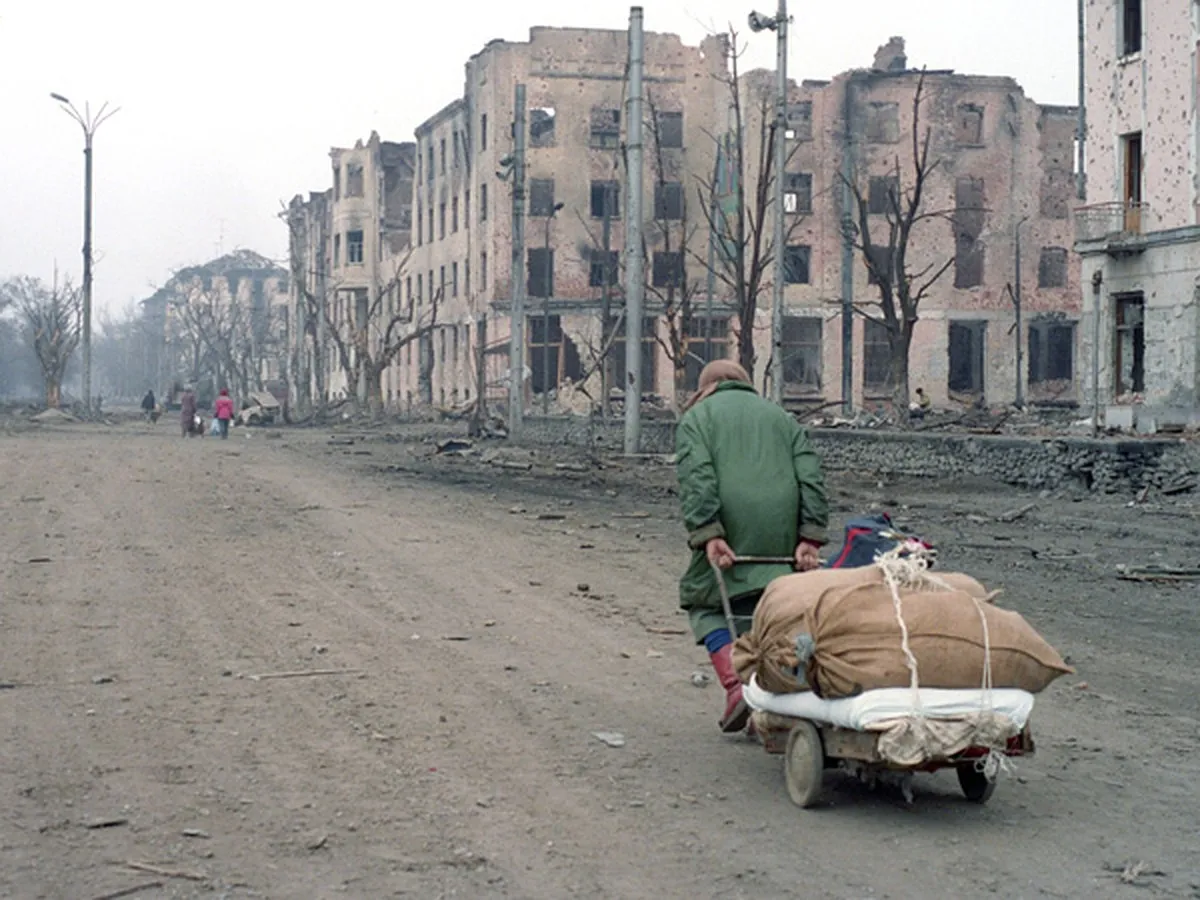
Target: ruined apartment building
(365,230)
(310,261)
(1139,235)
(462,207)
(1002,175)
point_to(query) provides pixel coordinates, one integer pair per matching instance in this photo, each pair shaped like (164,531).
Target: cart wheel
(975,785)
(804,764)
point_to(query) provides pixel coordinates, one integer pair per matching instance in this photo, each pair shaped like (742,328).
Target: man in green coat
(750,484)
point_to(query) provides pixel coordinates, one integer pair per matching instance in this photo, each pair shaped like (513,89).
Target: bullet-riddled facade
(1139,234)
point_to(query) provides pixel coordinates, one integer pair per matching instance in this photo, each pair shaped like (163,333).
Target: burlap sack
(857,642)
(851,619)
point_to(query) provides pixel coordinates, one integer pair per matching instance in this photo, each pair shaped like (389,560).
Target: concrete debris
(53,416)
(610,738)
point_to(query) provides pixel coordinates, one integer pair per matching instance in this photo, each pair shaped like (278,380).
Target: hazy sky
(227,108)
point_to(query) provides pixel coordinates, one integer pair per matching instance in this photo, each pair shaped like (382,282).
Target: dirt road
(474,649)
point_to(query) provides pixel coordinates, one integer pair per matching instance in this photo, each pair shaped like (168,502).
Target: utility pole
(89,126)
(848,251)
(779,25)
(606,306)
(1017,310)
(1081,126)
(548,273)
(516,383)
(1097,282)
(635,285)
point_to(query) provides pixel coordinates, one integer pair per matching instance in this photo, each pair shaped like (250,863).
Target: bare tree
(52,321)
(366,347)
(740,221)
(885,243)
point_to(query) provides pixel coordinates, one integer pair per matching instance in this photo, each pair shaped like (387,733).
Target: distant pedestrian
(922,406)
(223,413)
(149,405)
(187,412)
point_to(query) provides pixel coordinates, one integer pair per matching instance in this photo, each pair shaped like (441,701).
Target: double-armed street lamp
(89,124)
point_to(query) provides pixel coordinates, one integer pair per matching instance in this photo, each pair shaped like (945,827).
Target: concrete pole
(635,285)
(1020,394)
(547,273)
(516,383)
(1081,127)
(87,272)
(1097,282)
(847,253)
(781,29)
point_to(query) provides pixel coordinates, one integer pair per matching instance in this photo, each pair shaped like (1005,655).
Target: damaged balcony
(1117,228)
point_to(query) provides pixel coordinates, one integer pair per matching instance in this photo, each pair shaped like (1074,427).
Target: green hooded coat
(747,473)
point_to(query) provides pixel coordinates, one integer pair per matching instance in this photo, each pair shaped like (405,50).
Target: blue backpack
(867,537)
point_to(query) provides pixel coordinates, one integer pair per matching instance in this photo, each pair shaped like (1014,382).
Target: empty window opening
(606,200)
(649,356)
(354,247)
(877,359)
(483,271)
(968,125)
(453,279)
(797,196)
(354,180)
(605,130)
(1131,27)
(708,339)
(668,269)
(967,352)
(1130,344)
(483,202)
(541,126)
(670,130)
(799,121)
(879,264)
(883,192)
(802,354)
(1131,152)
(454,214)
(441,220)
(1051,359)
(883,123)
(1052,268)
(540,262)
(602,267)
(483,133)
(668,201)
(541,197)
(796,260)
(442,150)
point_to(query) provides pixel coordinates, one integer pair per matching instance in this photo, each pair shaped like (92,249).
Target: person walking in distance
(187,412)
(750,484)
(149,404)
(223,413)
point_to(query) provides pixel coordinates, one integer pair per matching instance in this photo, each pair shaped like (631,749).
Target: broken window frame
(649,356)
(1133,164)
(797,193)
(1046,341)
(966,377)
(668,201)
(597,267)
(668,269)
(877,360)
(882,125)
(564,355)
(1052,267)
(1129,25)
(1129,319)
(968,125)
(669,130)
(541,198)
(803,355)
(797,264)
(602,190)
(536,264)
(697,346)
(542,121)
(354,247)
(604,132)
(799,121)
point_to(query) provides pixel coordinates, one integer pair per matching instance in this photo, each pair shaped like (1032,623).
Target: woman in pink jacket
(224,412)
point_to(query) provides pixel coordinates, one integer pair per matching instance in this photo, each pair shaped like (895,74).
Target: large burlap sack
(849,616)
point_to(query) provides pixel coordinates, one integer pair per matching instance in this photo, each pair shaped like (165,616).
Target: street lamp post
(548,275)
(89,124)
(778,24)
